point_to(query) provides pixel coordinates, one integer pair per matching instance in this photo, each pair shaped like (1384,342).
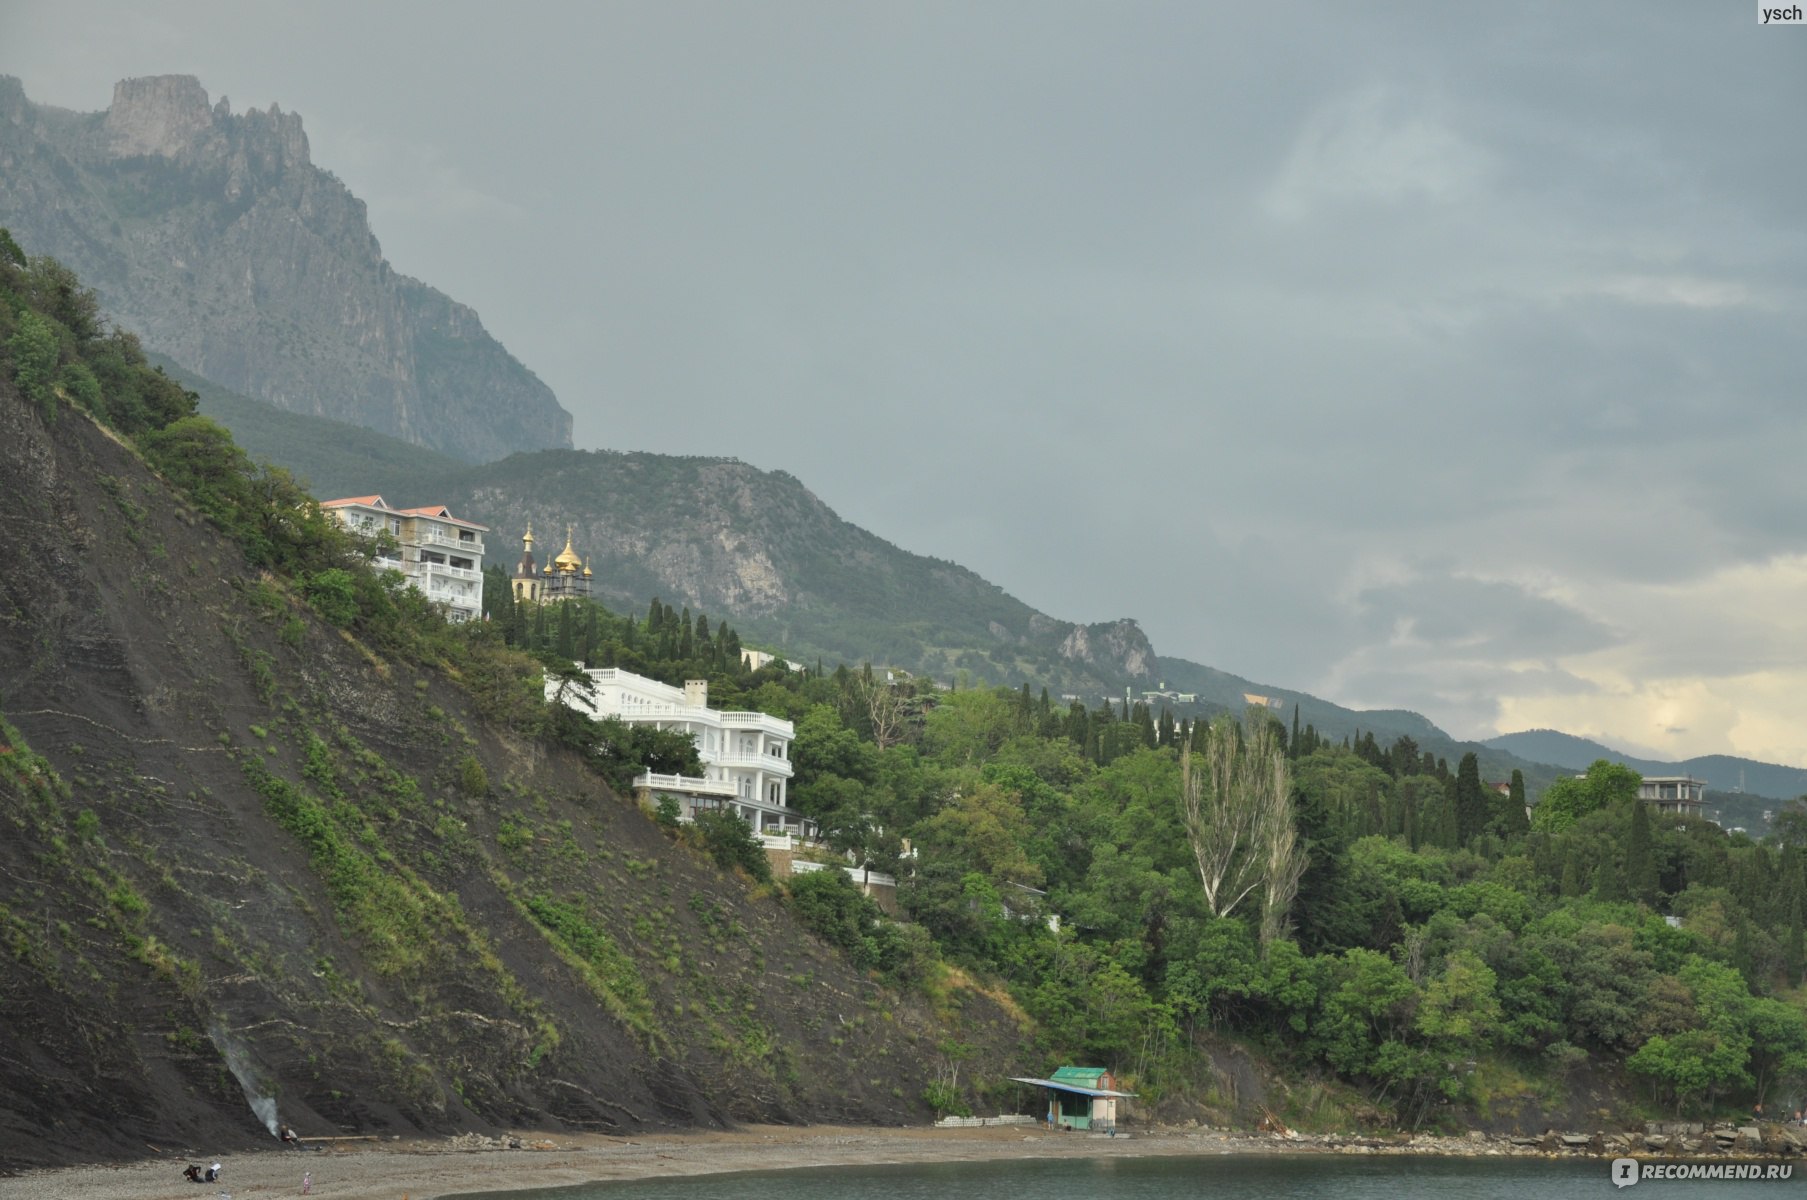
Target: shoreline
(432,1169)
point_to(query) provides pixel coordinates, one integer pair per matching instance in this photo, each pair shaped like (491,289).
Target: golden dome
(587,571)
(567,560)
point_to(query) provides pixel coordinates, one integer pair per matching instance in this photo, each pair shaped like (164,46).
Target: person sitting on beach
(288,1137)
(193,1174)
(213,1173)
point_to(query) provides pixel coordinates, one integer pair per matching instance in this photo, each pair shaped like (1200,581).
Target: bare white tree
(884,707)
(1281,848)
(1240,820)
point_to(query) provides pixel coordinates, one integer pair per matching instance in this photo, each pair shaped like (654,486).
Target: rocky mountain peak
(1118,647)
(158,114)
(215,239)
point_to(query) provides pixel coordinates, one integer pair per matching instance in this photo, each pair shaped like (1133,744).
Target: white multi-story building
(745,755)
(439,554)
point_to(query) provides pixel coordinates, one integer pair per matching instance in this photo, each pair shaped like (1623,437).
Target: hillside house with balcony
(745,755)
(439,554)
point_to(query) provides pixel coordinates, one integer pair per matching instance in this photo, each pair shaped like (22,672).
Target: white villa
(745,755)
(439,554)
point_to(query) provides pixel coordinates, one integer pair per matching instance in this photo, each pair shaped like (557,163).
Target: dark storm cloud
(1228,317)
(1480,618)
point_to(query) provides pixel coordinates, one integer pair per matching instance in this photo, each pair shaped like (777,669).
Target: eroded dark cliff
(246,857)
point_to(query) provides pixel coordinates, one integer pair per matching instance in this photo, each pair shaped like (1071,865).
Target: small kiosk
(1081,1098)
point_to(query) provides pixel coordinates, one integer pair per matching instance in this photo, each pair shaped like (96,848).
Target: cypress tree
(1609,883)
(567,640)
(1470,799)
(1512,819)
(1640,858)
(1294,744)
(1796,948)
(1571,884)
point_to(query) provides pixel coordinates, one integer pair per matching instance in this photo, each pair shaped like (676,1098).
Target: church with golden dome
(566,577)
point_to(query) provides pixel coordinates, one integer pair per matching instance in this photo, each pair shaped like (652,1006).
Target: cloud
(1375,145)
(1419,357)
(1682,290)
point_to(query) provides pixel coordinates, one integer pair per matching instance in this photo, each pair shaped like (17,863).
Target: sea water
(1244,1177)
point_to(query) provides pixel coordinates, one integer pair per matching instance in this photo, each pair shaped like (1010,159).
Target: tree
(1640,859)
(1470,800)
(1509,816)
(1240,821)
(1568,800)
(883,707)
(732,843)
(34,351)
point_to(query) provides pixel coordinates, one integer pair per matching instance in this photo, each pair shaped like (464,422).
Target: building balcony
(451,572)
(759,721)
(473,545)
(778,767)
(664,712)
(690,785)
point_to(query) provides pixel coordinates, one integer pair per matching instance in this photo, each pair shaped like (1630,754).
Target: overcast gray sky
(1441,356)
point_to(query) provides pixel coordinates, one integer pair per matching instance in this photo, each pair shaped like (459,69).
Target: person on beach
(307,1183)
(193,1174)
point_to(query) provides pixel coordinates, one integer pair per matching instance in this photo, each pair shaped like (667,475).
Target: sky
(1436,356)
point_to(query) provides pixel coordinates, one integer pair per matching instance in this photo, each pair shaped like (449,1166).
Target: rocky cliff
(760,548)
(214,237)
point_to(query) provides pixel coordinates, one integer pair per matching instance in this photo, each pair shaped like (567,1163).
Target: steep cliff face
(214,237)
(252,869)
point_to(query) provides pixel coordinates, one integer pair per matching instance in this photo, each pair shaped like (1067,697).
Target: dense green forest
(1434,945)
(1366,915)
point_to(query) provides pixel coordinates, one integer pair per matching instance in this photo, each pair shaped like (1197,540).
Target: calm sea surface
(1250,1177)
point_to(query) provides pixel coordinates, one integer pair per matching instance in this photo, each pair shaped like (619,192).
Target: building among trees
(1682,794)
(439,554)
(1081,1098)
(745,755)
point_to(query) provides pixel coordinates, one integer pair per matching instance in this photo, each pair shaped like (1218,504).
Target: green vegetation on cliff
(277,837)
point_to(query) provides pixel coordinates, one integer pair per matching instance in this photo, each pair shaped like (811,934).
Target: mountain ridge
(1722,772)
(215,238)
(339,464)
